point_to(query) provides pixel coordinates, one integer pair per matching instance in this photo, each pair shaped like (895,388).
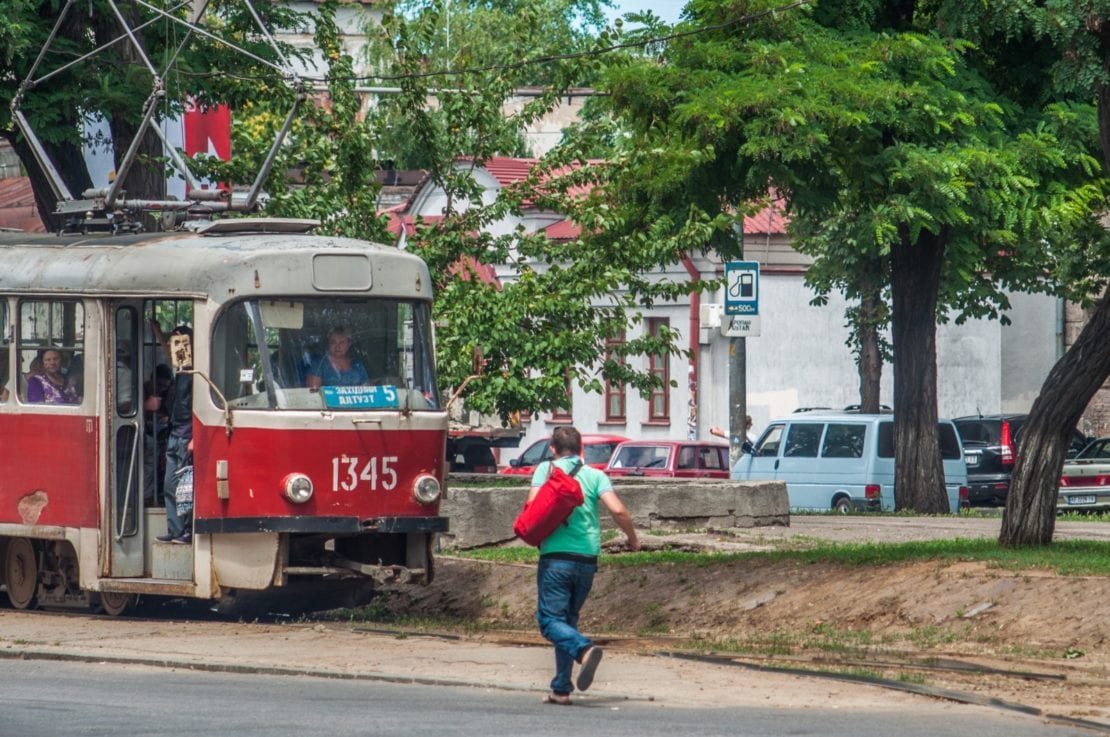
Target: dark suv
(990,449)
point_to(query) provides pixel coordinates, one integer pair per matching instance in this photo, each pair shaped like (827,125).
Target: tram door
(126,432)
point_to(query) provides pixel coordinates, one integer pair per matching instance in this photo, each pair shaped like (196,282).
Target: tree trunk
(1030,515)
(870,366)
(915,280)
(867,333)
(146,179)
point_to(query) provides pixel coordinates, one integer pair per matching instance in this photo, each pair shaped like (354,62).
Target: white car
(1085,481)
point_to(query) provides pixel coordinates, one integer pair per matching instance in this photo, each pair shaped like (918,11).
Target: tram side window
(5,353)
(51,350)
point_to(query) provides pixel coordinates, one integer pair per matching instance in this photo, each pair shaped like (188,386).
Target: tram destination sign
(359,397)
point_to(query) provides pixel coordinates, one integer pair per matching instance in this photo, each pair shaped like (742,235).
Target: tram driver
(337,367)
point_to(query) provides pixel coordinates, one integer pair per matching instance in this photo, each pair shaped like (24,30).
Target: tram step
(174,562)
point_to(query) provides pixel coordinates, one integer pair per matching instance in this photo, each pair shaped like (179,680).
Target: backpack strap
(576,469)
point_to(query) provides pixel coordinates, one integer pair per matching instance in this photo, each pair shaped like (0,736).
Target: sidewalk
(343,651)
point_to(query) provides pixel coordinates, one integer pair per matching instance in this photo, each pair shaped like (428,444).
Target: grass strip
(1064,557)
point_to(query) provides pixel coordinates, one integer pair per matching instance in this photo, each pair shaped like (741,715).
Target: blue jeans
(177,455)
(562,587)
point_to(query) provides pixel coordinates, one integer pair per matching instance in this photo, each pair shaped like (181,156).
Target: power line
(743,19)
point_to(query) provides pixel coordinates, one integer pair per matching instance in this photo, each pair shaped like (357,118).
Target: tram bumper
(386,550)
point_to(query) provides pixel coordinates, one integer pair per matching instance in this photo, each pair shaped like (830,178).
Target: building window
(659,366)
(615,408)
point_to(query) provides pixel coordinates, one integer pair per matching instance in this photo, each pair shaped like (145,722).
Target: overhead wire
(548,59)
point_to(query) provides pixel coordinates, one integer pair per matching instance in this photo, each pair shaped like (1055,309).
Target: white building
(801,357)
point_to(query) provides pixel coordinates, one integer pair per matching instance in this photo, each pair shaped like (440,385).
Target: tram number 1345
(349,472)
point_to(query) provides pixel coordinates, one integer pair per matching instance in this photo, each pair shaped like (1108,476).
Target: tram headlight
(297,488)
(426,489)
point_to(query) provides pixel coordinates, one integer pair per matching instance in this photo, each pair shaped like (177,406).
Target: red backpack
(556,499)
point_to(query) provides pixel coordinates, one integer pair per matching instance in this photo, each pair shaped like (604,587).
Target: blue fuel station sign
(742,288)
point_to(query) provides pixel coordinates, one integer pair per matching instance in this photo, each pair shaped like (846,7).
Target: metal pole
(737,383)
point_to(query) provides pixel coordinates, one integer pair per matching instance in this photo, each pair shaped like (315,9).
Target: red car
(596,450)
(671,458)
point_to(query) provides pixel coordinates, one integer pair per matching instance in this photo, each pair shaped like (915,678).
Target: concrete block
(484,515)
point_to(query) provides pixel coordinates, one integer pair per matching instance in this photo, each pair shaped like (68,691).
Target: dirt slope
(894,621)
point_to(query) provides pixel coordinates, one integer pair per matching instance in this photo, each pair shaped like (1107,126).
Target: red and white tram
(299,490)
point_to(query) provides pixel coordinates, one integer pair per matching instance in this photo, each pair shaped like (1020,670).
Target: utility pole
(737,382)
(737,398)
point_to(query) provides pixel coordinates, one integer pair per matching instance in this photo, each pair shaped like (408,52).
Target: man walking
(568,561)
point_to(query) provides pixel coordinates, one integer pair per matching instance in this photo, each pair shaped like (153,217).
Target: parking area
(875,528)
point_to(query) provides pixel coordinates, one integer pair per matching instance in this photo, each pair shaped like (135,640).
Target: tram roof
(218,264)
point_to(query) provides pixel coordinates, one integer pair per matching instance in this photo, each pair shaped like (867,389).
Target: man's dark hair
(566,441)
(182,330)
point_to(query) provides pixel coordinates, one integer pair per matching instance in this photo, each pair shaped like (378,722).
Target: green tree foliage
(481,35)
(114,82)
(548,319)
(891,144)
(325,168)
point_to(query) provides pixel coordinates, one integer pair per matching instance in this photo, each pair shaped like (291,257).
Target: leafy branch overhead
(556,304)
(915,171)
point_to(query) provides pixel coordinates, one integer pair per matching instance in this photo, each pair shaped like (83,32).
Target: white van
(842,461)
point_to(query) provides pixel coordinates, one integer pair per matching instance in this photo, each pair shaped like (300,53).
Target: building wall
(801,360)
(1033,317)
(1096,420)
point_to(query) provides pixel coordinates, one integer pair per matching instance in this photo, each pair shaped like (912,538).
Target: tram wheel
(21,569)
(112,603)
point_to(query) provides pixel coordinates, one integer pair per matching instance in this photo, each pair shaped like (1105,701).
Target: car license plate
(971,459)
(1088,499)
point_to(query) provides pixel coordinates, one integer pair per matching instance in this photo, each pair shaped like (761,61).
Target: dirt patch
(1035,639)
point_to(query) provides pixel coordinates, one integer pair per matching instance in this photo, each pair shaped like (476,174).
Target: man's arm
(622,517)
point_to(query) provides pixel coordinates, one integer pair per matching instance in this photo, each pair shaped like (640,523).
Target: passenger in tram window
(337,367)
(157,429)
(124,380)
(5,380)
(179,445)
(49,385)
(75,373)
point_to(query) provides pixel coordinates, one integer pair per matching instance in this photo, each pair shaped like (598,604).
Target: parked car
(671,458)
(842,461)
(471,457)
(596,451)
(990,449)
(1085,481)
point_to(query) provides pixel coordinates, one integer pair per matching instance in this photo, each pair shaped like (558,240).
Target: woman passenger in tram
(337,367)
(48,384)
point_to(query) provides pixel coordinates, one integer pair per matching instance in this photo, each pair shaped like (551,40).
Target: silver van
(843,461)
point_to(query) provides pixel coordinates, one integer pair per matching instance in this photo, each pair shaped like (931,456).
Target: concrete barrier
(483,515)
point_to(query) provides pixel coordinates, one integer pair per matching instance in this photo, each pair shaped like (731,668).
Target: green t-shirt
(581,534)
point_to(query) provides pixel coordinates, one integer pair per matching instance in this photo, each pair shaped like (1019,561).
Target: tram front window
(325,353)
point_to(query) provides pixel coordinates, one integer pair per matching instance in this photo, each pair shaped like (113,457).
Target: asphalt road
(50,698)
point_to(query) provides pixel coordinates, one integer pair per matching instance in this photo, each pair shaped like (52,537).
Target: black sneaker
(164,538)
(186,539)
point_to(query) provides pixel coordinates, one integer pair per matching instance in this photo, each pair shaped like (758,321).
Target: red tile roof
(771,220)
(507,170)
(564,230)
(17,205)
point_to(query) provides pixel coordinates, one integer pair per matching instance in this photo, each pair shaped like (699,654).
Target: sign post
(740,321)
(741,300)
